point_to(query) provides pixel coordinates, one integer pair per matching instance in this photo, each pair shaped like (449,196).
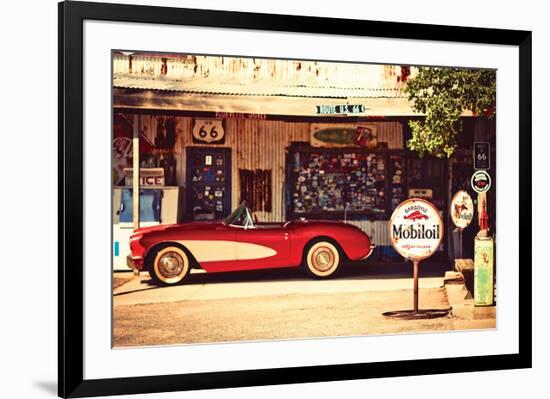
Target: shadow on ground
(47,386)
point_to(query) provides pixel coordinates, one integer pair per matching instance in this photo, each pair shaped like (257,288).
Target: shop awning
(261,88)
(258,97)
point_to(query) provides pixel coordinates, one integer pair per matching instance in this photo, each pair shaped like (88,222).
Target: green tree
(443,94)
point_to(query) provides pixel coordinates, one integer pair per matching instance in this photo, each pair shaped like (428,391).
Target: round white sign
(481,181)
(416,229)
(462,209)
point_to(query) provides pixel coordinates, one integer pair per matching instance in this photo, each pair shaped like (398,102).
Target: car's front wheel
(322,259)
(170,266)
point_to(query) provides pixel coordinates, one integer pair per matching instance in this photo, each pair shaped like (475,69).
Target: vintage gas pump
(483,245)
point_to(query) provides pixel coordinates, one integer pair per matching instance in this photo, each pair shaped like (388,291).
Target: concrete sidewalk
(465,315)
(202,286)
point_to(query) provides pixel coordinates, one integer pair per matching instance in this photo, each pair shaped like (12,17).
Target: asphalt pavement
(287,304)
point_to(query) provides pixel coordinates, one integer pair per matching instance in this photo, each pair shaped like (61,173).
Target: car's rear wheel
(322,259)
(170,266)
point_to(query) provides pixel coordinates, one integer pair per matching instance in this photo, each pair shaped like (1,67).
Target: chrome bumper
(370,252)
(134,264)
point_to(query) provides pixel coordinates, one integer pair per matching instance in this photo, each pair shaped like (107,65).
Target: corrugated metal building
(255,144)
(277,119)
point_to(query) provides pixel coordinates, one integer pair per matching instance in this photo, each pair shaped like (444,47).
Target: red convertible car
(239,242)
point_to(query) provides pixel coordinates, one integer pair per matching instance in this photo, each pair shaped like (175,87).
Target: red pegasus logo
(416,215)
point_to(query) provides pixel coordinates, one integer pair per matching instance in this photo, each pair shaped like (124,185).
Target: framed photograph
(350,201)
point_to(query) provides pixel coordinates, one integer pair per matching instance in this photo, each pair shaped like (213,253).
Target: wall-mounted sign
(343,135)
(424,193)
(482,155)
(341,109)
(416,229)
(147,176)
(462,209)
(331,135)
(240,115)
(209,131)
(481,181)
(366,136)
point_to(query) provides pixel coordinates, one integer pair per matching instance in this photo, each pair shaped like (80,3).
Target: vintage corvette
(239,242)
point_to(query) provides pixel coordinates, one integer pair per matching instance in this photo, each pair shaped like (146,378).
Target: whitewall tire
(170,266)
(322,259)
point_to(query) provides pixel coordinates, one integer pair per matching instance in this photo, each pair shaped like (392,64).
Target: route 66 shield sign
(209,131)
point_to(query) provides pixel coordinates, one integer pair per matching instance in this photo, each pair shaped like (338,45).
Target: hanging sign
(481,181)
(341,109)
(209,131)
(416,229)
(462,209)
(482,155)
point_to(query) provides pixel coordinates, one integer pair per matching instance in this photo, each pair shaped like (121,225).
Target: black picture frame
(70,206)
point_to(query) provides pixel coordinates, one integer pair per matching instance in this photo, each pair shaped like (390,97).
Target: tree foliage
(443,94)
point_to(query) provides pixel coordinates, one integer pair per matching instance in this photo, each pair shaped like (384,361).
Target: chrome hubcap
(171,264)
(323,259)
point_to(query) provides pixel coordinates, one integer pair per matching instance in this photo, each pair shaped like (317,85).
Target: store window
(256,189)
(339,183)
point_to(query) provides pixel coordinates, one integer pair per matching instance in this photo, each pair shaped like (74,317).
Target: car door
(262,247)
(214,247)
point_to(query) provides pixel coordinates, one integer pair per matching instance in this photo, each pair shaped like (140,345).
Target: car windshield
(240,217)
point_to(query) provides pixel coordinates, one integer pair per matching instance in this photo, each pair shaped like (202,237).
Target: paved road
(203,286)
(281,304)
(284,316)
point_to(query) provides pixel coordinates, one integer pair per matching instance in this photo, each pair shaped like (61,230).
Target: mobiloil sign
(421,232)
(416,231)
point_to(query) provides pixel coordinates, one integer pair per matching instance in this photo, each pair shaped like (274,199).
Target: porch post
(135,170)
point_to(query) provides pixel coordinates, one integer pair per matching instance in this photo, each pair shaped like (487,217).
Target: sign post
(415,286)
(416,231)
(135,168)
